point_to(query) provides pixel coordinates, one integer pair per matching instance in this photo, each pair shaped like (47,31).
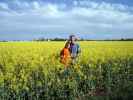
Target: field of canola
(32,71)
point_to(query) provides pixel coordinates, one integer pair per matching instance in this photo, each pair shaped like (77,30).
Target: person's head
(67,45)
(72,38)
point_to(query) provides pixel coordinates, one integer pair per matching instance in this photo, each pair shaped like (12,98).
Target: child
(65,55)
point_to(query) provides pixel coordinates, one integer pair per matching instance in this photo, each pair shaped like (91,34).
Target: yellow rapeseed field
(32,71)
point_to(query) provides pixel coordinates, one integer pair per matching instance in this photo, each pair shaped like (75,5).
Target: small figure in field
(70,52)
(65,55)
(74,49)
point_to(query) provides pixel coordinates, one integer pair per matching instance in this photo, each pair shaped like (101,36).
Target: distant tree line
(81,39)
(50,39)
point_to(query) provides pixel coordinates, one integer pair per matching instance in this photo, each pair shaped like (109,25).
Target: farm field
(32,71)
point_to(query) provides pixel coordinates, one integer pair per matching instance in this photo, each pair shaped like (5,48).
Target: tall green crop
(31,70)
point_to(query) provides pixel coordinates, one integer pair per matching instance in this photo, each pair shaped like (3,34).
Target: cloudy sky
(93,19)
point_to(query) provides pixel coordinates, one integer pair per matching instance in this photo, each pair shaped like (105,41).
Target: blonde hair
(67,44)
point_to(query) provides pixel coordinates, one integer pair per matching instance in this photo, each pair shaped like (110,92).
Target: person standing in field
(65,55)
(74,48)
(70,52)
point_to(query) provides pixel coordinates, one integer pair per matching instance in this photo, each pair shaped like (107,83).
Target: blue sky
(93,19)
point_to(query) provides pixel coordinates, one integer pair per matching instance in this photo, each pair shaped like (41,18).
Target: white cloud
(52,18)
(102,5)
(3,6)
(36,5)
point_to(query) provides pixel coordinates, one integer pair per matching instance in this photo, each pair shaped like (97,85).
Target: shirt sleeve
(78,49)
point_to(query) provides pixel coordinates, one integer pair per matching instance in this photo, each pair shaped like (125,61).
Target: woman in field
(65,57)
(70,52)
